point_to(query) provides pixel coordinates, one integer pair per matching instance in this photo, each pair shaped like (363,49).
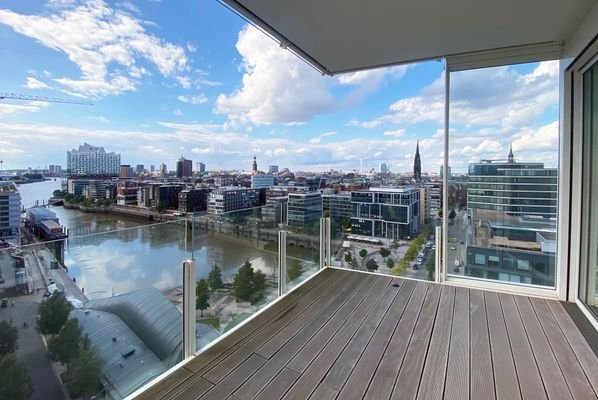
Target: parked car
(4,303)
(453,248)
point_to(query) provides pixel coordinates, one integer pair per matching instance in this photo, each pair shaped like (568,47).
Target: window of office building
(503,190)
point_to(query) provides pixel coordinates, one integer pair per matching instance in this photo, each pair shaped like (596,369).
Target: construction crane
(15,96)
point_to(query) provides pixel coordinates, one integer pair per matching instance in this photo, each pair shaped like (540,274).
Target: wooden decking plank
(324,392)
(505,375)
(580,346)
(214,354)
(481,378)
(235,379)
(387,359)
(350,314)
(295,343)
(550,372)
(165,386)
(457,374)
(193,391)
(308,305)
(379,326)
(530,382)
(574,375)
(319,367)
(281,383)
(434,374)
(339,296)
(410,373)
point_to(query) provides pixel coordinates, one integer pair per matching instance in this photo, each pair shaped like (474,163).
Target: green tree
(258,282)
(452,214)
(14,381)
(8,338)
(243,282)
(384,252)
(363,253)
(371,265)
(65,346)
(160,207)
(348,257)
(440,213)
(390,263)
(400,267)
(215,278)
(85,374)
(295,270)
(353,263)
(53,313)
(202,295)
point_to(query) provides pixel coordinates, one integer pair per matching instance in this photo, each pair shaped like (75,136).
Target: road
(31,348)
(457,235)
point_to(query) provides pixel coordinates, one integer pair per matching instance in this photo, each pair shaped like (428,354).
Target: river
(109,254)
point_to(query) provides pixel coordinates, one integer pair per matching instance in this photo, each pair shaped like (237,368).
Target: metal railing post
(325,250)
(189,325)
(438,255)
(282,263)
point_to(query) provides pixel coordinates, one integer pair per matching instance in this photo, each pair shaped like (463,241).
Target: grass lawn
(215,322)
(236,321)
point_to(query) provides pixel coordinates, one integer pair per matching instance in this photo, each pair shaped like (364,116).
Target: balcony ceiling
(348,35)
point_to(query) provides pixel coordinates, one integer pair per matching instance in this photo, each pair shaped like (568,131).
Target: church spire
(417,165)
(254,165)
(511,157)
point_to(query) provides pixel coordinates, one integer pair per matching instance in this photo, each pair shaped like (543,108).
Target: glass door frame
(559,291)
(573,121)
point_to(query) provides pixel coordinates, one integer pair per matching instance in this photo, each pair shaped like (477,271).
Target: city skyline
(222,92)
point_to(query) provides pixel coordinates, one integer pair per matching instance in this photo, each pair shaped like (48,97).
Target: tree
(215,278)
(243,282)
(389,263)
(14,381)
(371,265)
(53,313)
(160,207)
(8,338)
(348,257)
(363,253)
(202,295)
(85,374)
(259,282)
(384,252)
(452,214)
(65,346)
(440,213)
(295,270)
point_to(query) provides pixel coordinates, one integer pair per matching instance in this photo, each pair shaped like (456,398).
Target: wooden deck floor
(349,335)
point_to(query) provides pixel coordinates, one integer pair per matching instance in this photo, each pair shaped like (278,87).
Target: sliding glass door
(588,289)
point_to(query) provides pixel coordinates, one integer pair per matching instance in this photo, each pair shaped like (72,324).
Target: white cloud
(196,100)
(365,124)
(105,43)
(184,81)
(178,112)
(277,86)
(396,133)
(33,83)
(100,118)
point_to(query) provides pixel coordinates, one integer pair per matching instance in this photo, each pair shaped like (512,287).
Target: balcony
(353,335)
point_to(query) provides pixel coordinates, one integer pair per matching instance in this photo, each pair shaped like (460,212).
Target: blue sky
(191,77)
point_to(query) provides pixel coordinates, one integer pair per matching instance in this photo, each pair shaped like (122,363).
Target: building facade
(260,181)
(512,210)
(91,160)
(193,200)
(184,168)
(391,213)
(304,210)
(10,210)
(228,199)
